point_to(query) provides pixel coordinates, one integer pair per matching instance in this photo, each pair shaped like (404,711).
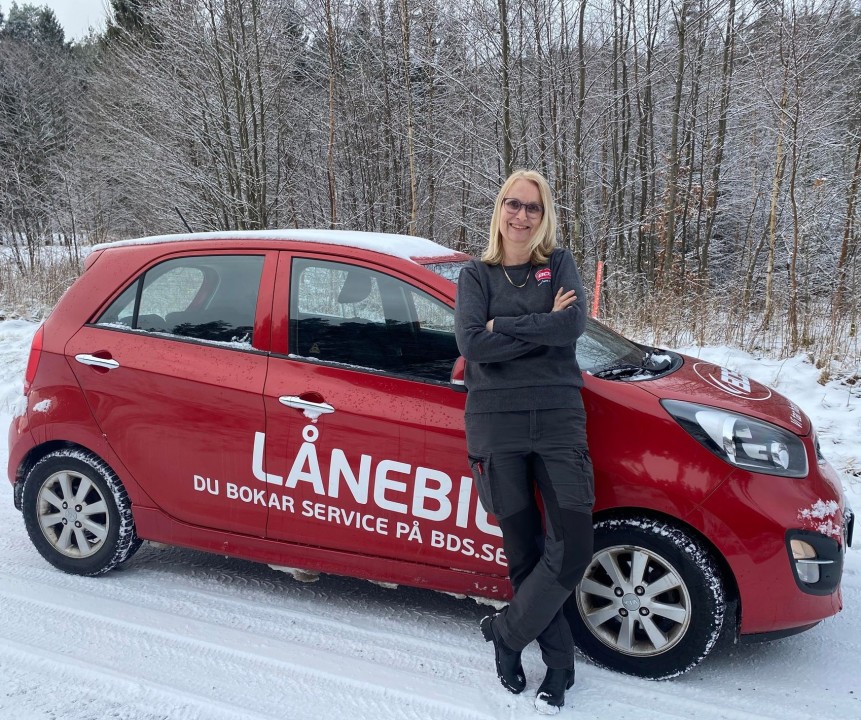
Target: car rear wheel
(78,514)
(651,603)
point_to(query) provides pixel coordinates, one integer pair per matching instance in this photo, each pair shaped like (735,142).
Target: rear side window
(211,298)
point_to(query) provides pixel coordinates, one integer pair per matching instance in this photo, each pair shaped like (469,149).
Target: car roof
(407,247)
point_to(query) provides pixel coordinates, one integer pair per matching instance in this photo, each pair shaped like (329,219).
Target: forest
(706,153)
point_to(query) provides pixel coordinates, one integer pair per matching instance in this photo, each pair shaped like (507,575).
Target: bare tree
(706,150)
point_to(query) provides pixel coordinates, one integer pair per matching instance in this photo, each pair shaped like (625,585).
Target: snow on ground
(182,635)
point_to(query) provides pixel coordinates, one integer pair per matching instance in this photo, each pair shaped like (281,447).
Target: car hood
(705,383)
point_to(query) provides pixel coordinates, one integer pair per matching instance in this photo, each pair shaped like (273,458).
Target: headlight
(742,441)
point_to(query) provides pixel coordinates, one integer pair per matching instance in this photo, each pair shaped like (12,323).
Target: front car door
(364,430)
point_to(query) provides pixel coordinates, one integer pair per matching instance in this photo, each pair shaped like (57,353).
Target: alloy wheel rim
(634,601)
(73,514)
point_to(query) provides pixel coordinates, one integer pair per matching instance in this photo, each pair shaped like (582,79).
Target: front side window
(355,316)
(450,270)
(211,298)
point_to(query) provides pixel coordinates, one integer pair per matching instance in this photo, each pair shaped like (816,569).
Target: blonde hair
(544,238)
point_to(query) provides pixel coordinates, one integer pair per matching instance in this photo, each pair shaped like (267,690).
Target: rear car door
(364,430)
(173,370)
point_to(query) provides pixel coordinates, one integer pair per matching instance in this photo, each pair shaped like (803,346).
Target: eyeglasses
(513,206)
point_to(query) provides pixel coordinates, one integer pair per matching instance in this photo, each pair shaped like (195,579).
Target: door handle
(311,409)
(95,361)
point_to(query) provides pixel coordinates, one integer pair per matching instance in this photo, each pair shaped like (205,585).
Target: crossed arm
(483,339)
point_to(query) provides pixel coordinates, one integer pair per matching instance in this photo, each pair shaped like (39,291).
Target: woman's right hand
(563,299)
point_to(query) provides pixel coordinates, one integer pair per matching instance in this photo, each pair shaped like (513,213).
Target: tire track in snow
(273,669)
(188,657)
(602,694)
(92,687)
(292,619)
(365,622)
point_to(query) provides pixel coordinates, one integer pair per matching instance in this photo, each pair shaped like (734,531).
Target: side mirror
(457,375)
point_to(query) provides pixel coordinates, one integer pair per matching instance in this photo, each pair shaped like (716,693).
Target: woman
(519,312)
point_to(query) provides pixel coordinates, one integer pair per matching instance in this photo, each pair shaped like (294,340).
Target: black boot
(551,693)
(508,667)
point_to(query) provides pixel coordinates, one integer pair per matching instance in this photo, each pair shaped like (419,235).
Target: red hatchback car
(296,398)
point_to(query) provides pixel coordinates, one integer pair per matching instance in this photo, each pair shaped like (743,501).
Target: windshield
(599,347)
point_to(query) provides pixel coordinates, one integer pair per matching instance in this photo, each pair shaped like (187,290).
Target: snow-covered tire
(651,603)
(78,514)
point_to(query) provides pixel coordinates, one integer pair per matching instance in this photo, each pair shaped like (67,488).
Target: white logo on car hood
(731,382)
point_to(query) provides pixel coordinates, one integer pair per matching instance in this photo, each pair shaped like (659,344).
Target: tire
(651,603)
(78,514)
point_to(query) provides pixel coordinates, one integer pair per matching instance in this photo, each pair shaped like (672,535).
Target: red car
(296,398)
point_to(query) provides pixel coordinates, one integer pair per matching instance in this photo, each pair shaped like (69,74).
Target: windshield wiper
(620,370)
(649,364)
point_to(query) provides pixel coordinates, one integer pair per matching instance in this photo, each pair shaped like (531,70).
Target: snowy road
(178,634)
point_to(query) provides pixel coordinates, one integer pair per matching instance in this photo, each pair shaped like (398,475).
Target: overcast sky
(75,16)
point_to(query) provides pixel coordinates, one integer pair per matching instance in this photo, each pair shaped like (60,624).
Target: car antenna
(183,219)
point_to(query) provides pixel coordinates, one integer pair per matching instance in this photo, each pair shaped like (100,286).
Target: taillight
(33,360)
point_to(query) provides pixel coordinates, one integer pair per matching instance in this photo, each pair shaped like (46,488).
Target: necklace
(508,277)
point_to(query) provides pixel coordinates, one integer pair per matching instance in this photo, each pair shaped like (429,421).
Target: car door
(173,371)
(364,429)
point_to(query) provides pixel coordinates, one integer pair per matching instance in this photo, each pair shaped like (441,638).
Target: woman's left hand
(489,325)
(563,299)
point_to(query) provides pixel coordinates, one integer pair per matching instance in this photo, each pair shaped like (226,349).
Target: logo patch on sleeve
(543,276)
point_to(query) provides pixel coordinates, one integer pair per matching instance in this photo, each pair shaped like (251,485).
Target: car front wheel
(78,514)
(651,603)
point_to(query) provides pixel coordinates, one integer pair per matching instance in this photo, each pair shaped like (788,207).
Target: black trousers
(512,454)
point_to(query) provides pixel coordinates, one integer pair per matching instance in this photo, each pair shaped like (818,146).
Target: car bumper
(753,519)
(20,443)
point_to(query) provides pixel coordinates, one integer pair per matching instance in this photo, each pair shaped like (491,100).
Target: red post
(596,295)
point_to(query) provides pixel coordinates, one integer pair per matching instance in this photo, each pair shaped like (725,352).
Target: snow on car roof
(407,247)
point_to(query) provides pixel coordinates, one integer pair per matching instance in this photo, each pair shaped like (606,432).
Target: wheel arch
(36,453)
(733,596)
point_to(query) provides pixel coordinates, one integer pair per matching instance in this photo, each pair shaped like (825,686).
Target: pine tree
(32,24)
(128,19)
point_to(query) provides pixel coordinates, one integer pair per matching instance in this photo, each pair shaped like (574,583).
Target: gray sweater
(528,361)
